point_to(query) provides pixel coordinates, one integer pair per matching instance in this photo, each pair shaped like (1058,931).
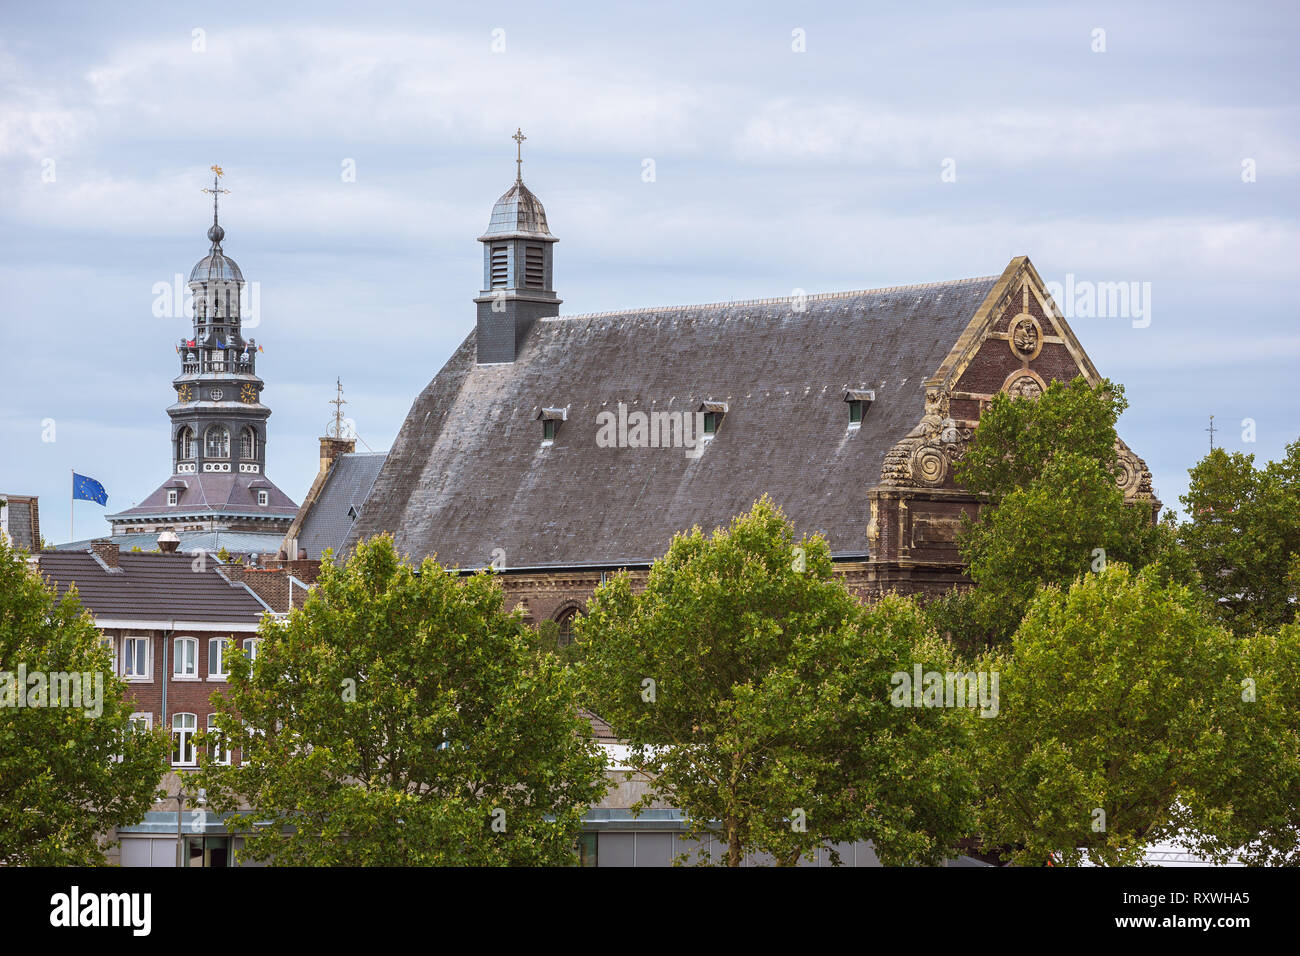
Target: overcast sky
(821,170)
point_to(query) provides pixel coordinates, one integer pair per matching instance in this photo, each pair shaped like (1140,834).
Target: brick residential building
(170,621)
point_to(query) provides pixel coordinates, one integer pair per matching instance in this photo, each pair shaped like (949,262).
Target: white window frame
(127,642)
(142,717)
(222,672)
(218,753)
(110,642)
(192,672)
(183,740)
(173,496)
(263,499)
(216,442)
(250,645)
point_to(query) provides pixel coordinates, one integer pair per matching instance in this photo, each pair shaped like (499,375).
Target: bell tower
(218,419)
(218,422)
(518,274)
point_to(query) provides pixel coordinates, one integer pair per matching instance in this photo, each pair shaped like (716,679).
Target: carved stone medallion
(1025,337)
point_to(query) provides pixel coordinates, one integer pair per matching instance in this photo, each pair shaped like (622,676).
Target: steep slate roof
(152,587)
(469,474)
(222,494)
(327,522)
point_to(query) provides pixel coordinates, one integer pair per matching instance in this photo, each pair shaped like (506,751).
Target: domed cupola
(518,213)
(518,277)
(216,264)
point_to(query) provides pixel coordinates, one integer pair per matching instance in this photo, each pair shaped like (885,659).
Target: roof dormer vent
(859,400)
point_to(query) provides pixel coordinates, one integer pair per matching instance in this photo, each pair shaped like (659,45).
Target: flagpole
(72,508)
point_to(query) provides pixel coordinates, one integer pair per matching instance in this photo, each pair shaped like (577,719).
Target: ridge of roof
(776,300)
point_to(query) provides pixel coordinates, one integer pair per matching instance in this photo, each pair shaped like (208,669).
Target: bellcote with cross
(518,270)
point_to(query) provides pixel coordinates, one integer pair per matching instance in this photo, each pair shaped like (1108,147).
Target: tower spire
(216,233)
(519,138)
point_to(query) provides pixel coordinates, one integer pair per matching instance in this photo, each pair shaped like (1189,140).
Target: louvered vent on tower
(533,268)
(500,270)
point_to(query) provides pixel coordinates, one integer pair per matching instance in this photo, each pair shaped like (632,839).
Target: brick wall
(184,695)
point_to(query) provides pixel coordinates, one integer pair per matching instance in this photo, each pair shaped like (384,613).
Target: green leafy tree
(400,717)
(754,692)
(1243,534)
(1017,438)
(68,775)
(1114,698)
(1248,807)
(1047,468)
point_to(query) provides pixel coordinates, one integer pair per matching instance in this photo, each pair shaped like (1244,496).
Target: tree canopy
(401,717)
(1116,698)
(68,774)
(754,691)
(1243,534)
(1047,469)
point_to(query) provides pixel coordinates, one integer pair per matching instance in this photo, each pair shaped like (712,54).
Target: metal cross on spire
(216,190)
(519,138)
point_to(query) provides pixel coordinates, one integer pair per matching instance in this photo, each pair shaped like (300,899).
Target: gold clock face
(248,394)
(186,394)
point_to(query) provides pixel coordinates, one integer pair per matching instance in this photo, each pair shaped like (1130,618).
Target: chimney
(331,448)
(106,551)
(168,542)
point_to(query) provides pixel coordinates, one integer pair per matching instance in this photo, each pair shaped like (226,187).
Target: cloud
(862,131)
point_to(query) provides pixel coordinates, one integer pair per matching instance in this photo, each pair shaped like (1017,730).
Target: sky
(685,153)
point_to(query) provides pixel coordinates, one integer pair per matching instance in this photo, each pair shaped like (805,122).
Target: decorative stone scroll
(926,455)
(1133,477)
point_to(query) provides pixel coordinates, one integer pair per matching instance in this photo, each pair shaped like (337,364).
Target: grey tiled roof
(152,587)
(328,521)
(469,474)
(235,542)
(220,494)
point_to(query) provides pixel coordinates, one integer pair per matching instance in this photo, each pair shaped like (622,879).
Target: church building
(561,448)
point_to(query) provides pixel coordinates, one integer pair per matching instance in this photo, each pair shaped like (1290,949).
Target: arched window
(183,729)
(185,444)
(185,663)
(564,627)
(218,442)
(247,443)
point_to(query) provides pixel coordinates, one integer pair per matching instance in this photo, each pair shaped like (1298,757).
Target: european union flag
(88,489)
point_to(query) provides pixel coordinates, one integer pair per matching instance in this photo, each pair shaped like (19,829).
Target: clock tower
(218,421)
